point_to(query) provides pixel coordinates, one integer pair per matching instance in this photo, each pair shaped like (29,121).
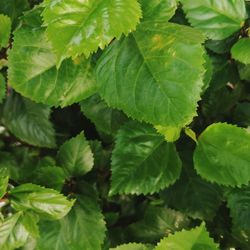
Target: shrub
(124,124)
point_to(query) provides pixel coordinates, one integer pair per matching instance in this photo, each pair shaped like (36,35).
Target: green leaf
(158,10)
(50,176)
(4,180)
(142,161)
(171,134)
(75,156)
(217,19)
(83,26)
(8,162)
(82,228)
(192,195)
(241,51)
(2,88)
(13,233)
(30,221)
(224,90)
(238,201)
(5,28)
(244,71)
(157,223)
(197,238)
(47,203)
(29,121)
(222,155)
(106,120)
(153,68)
(131,246)
(241,114)
(209,72)
(32,71)
(13,9)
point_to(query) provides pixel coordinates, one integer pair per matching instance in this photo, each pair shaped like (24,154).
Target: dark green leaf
(2,88)
(82,228)
(192,195)
(106,120)
(157,223)
(142,161)
(29,121)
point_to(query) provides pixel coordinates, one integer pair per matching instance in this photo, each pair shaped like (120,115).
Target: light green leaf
(197,238)
(83,26)
(157,223)
(82,228)
(13,233)
(171,134)
(4,180)
(29,221)
(158,10)
(209,72)
(191,134)
(217,19)
(151,66)
(241,51)
(238,202)
(222,155)
(32,71)
(131,246)
(47,203)
(142,161)
(29,121)
(106,120)
(75,156)
(2,88)
(192,195)
(5,28)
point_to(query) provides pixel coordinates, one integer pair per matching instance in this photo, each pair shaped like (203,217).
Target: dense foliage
(124,124)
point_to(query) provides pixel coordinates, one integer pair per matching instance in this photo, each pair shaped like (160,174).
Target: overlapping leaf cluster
(124,124)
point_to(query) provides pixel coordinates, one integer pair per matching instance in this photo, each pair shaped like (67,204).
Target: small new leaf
(75,156)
